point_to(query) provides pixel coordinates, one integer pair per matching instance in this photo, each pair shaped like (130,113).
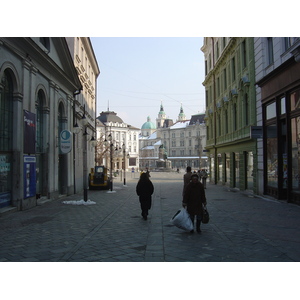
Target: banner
(29,132)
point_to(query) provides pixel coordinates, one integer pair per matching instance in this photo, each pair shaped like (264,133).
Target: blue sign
(65,141)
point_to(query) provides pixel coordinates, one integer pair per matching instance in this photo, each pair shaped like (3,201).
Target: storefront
(281,130)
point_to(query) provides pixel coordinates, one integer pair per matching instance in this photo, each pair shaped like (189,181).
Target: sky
(137,74)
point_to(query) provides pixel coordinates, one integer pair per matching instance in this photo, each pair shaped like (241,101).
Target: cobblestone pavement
(242,228)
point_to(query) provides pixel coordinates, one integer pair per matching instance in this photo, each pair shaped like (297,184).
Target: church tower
(181,116)
(160,121)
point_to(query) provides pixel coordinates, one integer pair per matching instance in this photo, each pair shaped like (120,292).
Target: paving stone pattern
(242,228)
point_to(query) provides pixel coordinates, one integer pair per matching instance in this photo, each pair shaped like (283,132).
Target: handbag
(205,215)
(182,220)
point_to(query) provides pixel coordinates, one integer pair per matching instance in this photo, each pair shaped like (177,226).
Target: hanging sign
(65,141)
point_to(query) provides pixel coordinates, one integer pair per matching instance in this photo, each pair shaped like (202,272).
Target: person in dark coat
(186,178)
(144,190)
(194,199)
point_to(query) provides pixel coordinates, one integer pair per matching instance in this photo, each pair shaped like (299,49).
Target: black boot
(198,226)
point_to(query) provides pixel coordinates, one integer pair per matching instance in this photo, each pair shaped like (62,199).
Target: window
(272,156)
(6,112)
(226,121)
(287,43)
(224,42)
(45,41)
(233,68)
(246,107)
(295,100)
(295,126)
(270,50)
(39,121)
(225,78)
(271,111)
(244,54)
(234,117)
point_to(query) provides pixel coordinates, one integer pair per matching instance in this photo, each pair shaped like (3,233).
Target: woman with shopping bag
(144,190)
(194,199)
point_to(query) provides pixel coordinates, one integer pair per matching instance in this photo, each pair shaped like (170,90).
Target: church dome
(148,124)
(109,116)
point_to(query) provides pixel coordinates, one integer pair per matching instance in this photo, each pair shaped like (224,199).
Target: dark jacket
(194,197)
(186,180)
(144,188)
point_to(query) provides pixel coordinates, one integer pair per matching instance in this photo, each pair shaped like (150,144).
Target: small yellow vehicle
(98,178)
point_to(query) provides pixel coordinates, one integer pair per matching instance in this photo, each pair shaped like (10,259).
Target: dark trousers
(145,205)
(198,223)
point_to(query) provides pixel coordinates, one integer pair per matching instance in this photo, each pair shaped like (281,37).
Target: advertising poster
(29,176)
(29,132)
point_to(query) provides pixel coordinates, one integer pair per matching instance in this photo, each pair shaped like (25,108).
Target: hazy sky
(137,73)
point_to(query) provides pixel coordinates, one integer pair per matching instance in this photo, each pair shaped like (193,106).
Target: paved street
(242,228)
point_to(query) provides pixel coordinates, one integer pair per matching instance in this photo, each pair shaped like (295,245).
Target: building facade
(117,143)
(84,109)
(277,63)
(230,111)
(181,144)
(38,81)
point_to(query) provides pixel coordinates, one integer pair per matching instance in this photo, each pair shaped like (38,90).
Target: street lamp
(111,162)
(124,152)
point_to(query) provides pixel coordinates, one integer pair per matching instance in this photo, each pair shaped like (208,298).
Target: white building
(182,143)
(111,130)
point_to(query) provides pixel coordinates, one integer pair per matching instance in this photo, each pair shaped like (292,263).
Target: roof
(180,124)
(109,116)
(199,118)
(148,124)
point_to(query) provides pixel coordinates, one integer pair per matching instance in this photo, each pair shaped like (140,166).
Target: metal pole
(85,191)
(124,168)
(111,164)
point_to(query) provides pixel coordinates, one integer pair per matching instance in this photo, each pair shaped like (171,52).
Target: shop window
(282,106)
(295,132)
(295,100)
(227,171)
(220,168)
(249,169)
(271,111)
(237,170)
(272,156)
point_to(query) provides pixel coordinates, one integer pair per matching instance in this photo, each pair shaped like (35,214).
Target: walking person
(186,178)
(204,177)
(194,200)
(144,190)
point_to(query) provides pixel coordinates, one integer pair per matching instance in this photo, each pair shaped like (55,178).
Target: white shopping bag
(182,220)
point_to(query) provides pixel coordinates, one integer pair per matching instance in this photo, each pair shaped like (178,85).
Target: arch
(42,92)
(12,71)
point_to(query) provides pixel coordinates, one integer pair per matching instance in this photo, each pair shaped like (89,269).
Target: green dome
(148,125)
